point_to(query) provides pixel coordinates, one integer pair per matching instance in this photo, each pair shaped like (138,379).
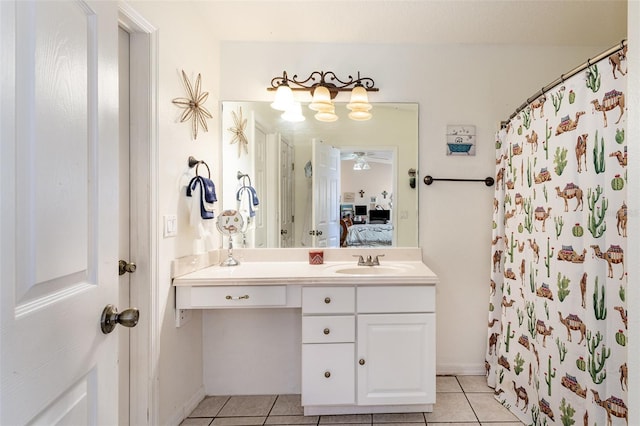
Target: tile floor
(461,401)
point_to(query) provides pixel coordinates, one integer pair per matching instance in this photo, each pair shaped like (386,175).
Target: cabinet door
(396,359)
(328,374)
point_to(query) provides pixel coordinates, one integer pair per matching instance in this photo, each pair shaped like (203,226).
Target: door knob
(124,266)
(110,317)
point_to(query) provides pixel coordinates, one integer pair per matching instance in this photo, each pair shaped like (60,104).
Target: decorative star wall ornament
(239,136)
(193,106)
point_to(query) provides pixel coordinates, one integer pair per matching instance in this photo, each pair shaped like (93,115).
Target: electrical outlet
(170,225)
(183,316)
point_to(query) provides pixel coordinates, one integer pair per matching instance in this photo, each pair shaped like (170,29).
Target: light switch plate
(170,225)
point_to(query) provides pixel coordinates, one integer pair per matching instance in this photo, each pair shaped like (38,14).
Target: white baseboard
(460,370)
(315,410)
(187,408)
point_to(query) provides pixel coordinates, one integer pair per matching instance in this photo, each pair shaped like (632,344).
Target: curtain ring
(561,78)
(589,62)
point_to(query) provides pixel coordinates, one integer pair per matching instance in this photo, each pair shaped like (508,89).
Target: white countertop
(269,273)
(257,267)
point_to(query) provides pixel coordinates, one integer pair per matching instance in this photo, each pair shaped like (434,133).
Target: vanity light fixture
(324,87)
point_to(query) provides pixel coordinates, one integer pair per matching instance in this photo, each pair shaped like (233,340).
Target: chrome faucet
(370,261)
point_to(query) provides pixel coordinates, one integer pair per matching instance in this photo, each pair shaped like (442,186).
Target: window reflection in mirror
(281,163)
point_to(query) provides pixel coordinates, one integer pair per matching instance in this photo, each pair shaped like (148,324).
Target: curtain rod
(565,76)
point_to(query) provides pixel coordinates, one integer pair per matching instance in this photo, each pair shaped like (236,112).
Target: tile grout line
(270,410)
(469,402)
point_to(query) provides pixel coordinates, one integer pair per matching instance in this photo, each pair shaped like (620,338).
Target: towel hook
(243,176)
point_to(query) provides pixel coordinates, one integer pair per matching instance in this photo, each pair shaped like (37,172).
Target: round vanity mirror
(230,223)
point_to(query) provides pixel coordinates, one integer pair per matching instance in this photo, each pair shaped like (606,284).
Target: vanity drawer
(328,300)
(327,329)
(391,299)
(236,296)
(328,374)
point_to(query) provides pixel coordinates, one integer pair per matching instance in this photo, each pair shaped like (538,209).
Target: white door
(59,202)
(287,200)
(395,359)
(325,220)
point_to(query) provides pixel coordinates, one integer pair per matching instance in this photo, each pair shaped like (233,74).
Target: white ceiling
(541,22)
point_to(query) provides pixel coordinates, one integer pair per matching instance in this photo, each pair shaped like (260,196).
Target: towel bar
(489,181)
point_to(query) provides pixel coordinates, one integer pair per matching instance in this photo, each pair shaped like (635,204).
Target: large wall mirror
(316,184)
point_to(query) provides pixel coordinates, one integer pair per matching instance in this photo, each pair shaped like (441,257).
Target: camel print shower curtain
(557,335)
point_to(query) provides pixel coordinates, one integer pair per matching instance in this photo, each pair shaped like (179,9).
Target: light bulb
(283,99)
(360,115)
(321,99)
(327,116)
(359,99)
(293,114)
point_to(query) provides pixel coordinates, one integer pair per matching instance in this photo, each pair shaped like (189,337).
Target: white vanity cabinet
(367,333)
(383,335)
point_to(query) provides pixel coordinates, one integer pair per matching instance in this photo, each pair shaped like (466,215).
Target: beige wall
(373,182)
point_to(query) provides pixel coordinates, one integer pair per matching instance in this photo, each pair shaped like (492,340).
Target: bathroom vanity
(368,332)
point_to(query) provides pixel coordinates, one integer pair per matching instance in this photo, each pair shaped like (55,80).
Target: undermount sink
(372,270)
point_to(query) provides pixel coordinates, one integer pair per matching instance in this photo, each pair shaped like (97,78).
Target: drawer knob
(326,331)
(361,362)
(228,297)
(327,300)
(327,374)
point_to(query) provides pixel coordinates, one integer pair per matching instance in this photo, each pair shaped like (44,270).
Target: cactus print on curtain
(557,333)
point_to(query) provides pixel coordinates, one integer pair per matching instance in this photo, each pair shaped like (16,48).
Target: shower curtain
(558,318)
